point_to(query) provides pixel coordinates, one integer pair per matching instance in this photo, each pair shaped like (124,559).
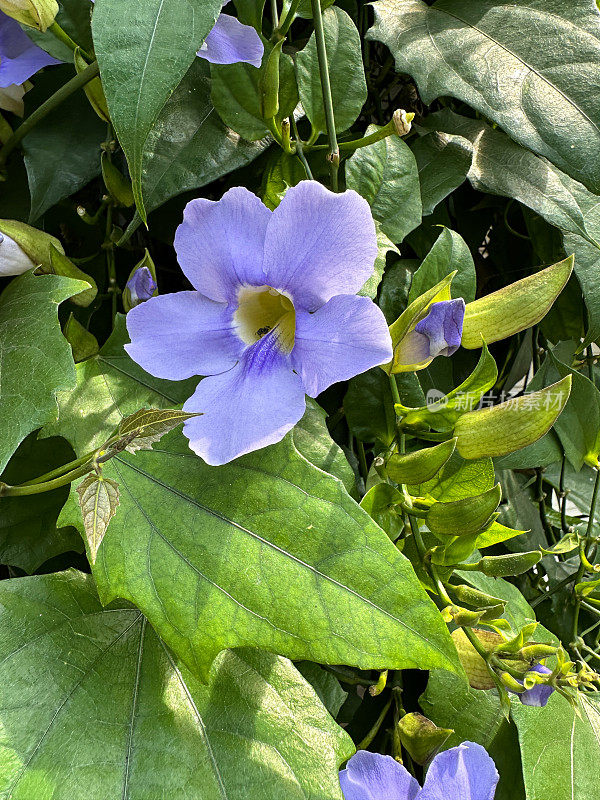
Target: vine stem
(48,486)
(583,545)
(64,37)
(79,81)
(334,151)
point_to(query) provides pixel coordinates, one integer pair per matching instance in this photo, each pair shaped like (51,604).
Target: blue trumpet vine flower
(539,694)
(230,42)
(141,286)
(273,316)
(20,58)
(465,772)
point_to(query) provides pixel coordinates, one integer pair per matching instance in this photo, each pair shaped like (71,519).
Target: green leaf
(501,166)
(560,748)
(578,427)
(28,532)
(443,162)
(312,582)
(149,425)
(189,146)
(35,358)
(94,695)
(236,95)
(346,71)
(476,716)
(109,388)
(369,404)
(144,49)
(98,500)
(421,737)
(463,517)
(443,414)
(384,246)
(325,685)
(450,253)
(496,534)
(379,504)
(69,137)
(311,438)
(514,307)
(420,465)
(386,175)
(457,479)
(467,50)
(509,426)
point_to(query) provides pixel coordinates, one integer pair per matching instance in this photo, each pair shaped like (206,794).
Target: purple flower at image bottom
(273,315)
(465,772)
(20,58)
(141,286)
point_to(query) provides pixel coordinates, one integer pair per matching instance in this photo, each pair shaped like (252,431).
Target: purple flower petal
(220,244)
(443,327)
(253,405)
(371,776)
(346,336)
(20,58)
(230,42)
(141,286)
(176,336)
(465,772)
(319,244)
(540,694)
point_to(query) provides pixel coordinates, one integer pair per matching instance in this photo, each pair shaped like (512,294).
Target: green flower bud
(38,14)
(538,651)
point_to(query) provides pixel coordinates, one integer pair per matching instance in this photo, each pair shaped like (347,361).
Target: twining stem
(88,74)
(300,150)
(113,286)
(286,22)
(64,468)
(334,151)
(274,13)
(584,544)
(354,144)
(48,486)
(64,37)
(375,729)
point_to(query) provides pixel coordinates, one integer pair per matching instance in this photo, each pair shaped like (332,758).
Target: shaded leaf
(501,59)
(449,253)
(94,692)
(443,162)
(35,358)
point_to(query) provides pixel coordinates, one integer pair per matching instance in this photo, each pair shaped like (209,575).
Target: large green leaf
(348,84)
(386,175)
(144,49)
(94,705)
(70,137)
(189,146)
(28,532)
(319,581)
(506,59)
(501,166)
(560,748)
(109,388)
(35,358)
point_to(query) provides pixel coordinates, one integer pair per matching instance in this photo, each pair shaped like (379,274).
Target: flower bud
(38,14)
(539,693)
(512,684)
(23,247)
(141,286)
(538,651)
(402,121)
(13,260)
(437,334)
